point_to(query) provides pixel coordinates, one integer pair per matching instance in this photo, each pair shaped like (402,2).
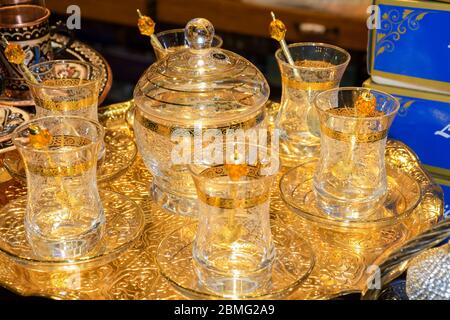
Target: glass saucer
(403,196)
(124,223)
(293,264)
(120,154)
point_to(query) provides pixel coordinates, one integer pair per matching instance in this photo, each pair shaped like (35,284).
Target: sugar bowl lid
(202,84)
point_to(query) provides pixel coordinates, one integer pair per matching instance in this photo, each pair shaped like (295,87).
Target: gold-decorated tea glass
(233,249)
(66,87)
(175,39)
(318,67)
(350,180)
(64,217)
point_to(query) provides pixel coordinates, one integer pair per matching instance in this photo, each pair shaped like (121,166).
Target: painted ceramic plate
(77,51)
(10,119)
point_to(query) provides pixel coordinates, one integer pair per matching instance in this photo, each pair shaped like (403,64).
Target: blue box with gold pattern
(423,123)
(410,45)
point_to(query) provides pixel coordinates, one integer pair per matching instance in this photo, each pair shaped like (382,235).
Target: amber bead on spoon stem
(277,31)
(147,28)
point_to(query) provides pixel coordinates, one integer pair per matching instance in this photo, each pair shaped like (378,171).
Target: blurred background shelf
(343,28)
(110,27)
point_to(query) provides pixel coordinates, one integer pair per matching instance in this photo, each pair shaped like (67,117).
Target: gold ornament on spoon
(39,138)
(366,104)
(15,54)
(147,28)
(277,31)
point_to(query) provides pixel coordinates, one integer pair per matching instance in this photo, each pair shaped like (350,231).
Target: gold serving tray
(343,256)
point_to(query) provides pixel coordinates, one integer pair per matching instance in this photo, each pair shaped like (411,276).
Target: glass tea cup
(318,67)
(64,217)
(175,39)
(66,87)
(350,179)
(233,250)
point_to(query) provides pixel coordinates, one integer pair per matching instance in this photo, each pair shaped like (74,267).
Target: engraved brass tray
(342,259)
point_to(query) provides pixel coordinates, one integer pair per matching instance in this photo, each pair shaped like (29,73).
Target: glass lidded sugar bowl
(189,104)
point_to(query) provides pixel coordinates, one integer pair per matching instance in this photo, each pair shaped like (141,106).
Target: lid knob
(199,33)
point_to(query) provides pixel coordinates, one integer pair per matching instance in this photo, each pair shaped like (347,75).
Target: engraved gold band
(81,104)
(167,131)
(304,85)
(220,171)
(360,137)
(60,171)
(68,141)
(52,170)
(224,203)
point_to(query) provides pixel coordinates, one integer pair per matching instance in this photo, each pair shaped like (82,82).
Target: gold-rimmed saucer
(124,223)
(293,263)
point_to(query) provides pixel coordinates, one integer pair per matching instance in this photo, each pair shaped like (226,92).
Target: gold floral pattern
(405,104)
(394,24)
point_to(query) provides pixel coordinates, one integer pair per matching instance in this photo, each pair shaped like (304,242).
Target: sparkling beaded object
(428,276)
